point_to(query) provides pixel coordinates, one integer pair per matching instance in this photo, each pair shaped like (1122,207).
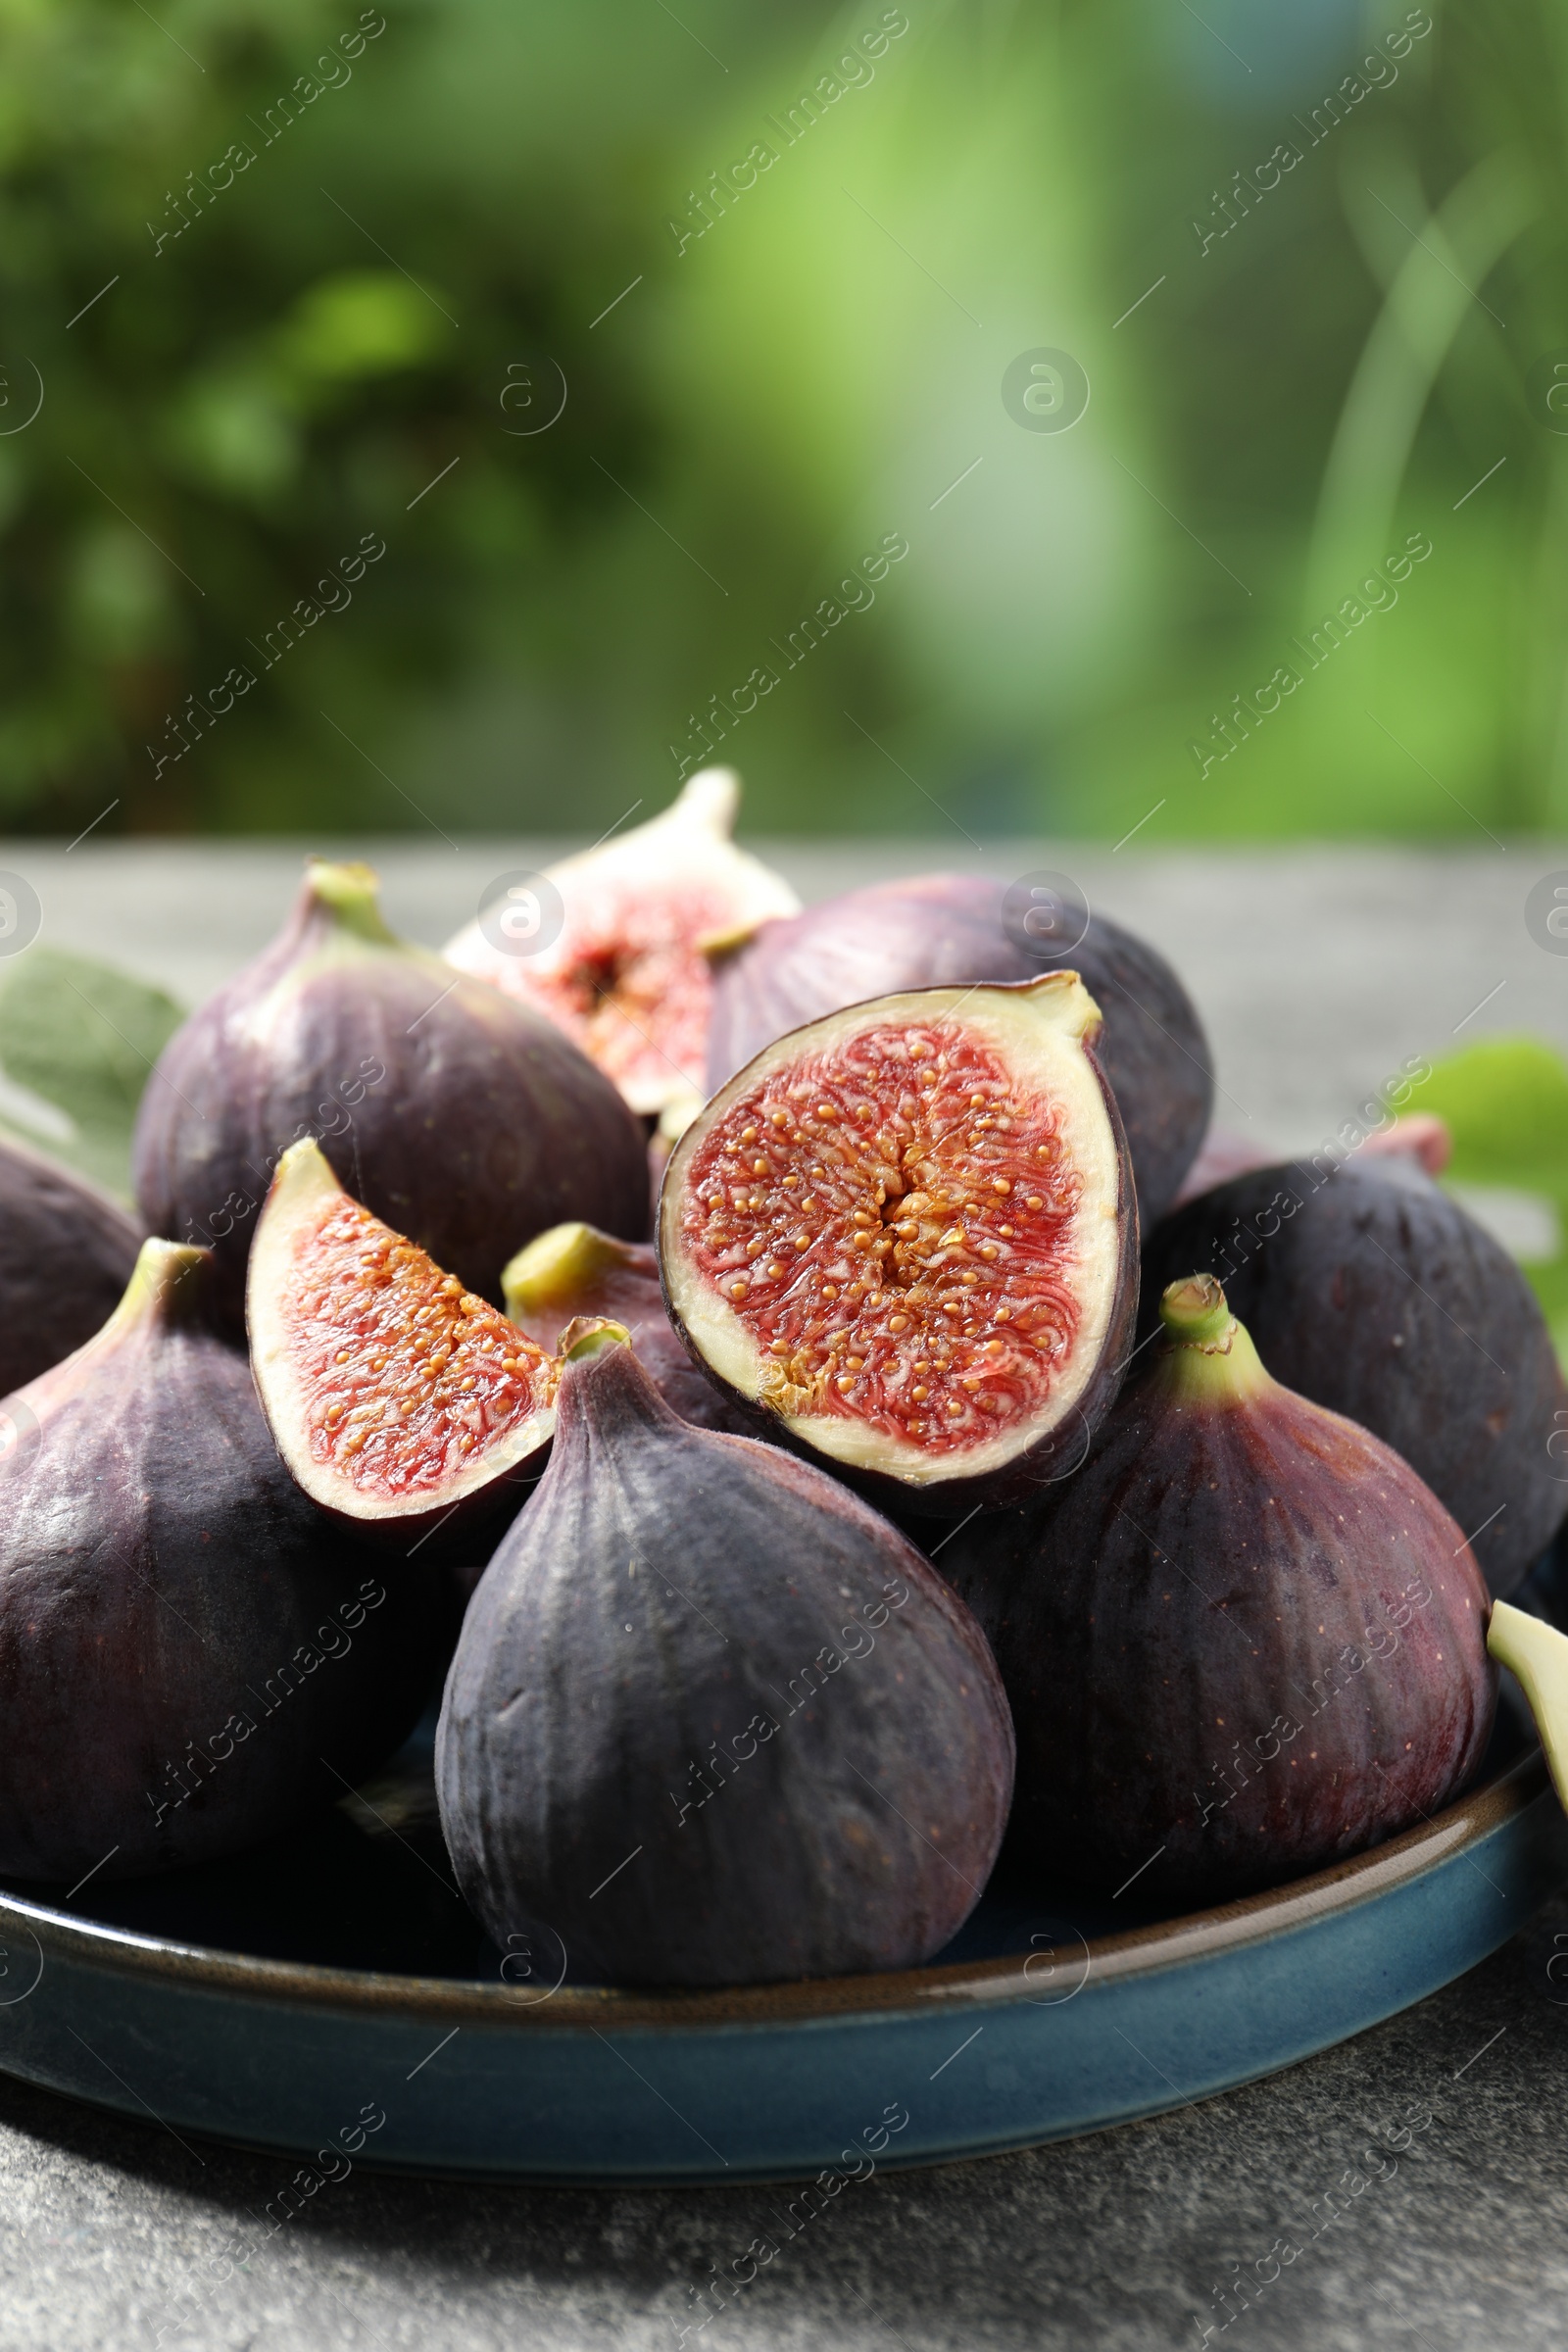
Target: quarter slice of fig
(66,1256)
(626,977)
(938,930)
(1243,1641)
(711,1720)
(905,1235)
(575,1271)
(464,1120)
(1373,1293)
(189,1652)
(397,1397)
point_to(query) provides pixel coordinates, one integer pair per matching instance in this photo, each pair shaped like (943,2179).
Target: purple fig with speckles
(713,1721)
(1243,1643)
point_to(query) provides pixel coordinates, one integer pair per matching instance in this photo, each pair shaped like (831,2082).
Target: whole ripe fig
(1373,1293)
(66,1256)
(906,1236)
(189,1653)
(940,929)
(1243,1641)
(575,1272)
(711,1720)
(464,1120)
(399,1401)
(625,976)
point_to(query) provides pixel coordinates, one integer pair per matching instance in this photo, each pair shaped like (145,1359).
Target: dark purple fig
(189,1652)
(1373,1293)
(1243,1641)
(906,1237)
(66,1256)
(940,929)
(466,1120)
(711,1720)
(575,1271)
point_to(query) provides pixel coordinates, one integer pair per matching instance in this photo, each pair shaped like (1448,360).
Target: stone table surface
(1319,970)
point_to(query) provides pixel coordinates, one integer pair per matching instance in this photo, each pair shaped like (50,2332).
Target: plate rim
(1191,1937)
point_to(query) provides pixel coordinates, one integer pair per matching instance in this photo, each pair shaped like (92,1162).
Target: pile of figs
(812,1347)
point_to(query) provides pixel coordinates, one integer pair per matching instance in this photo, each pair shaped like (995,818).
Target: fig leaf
(77,1043)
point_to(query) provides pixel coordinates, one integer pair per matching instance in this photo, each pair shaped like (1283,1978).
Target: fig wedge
(400,1400)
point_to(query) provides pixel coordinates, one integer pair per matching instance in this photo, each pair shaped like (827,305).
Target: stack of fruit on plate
(852,1516)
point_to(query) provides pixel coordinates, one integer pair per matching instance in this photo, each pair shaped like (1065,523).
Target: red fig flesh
(464,1120)
(66,1256)
(575,1271)
(189,1652)
(907,1235)
(1242,1641)
(711,1720)
(396,1396)
(939,929)
(626,978)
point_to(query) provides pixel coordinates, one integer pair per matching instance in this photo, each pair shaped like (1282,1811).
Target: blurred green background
(359,336)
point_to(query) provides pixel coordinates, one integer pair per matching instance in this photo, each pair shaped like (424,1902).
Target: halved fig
(574,1271)
(626,978)
(396,1396)
(906,1236)
(934,930)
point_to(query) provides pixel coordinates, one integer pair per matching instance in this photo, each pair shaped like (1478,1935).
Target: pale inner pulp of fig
(627,982)
(409,1378)
(894,1221)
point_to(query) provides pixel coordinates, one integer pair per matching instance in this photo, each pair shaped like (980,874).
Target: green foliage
(1506,1101)
(78,1044)
(289,278)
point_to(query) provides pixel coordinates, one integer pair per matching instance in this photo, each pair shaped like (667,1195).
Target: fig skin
(460,1118)
(162,1584)
(1243,1641)
(937,930)
(590,1701)
(67,1251)
(948,1490)
(1374,1293)
(573,1271)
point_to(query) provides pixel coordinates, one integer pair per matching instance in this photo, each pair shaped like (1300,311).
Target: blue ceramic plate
(331,1991)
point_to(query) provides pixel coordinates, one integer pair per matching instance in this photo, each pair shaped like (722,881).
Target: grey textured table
(1319,970)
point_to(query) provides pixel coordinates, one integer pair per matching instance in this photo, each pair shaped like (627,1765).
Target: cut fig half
(627,976)
(906,1237)
(397,1397)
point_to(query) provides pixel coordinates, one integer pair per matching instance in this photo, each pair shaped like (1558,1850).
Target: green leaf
(82,1038)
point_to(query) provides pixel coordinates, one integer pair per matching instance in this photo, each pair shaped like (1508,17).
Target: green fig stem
(1208,1357)
(588,1335)
(349,892)
(164,1286)
(1536,1654)
(556,1267)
